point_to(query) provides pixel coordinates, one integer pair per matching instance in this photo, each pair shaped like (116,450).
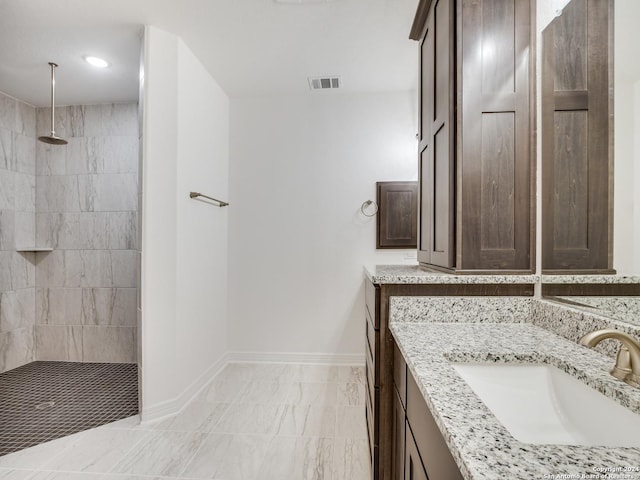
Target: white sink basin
(540,404)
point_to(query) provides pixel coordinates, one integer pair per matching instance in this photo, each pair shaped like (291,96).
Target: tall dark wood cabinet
(577,153)
(436,135)
(476,159)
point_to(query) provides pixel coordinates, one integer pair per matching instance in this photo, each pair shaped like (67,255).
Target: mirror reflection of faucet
(627,367)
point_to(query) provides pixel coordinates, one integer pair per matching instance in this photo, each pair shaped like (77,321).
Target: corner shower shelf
(34,249)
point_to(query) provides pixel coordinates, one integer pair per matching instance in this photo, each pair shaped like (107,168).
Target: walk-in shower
(69,198)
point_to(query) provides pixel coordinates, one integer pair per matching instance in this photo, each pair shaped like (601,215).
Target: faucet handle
(622,369)
(627,366)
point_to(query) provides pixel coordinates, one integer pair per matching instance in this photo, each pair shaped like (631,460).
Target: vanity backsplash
(565,320)
(461,309)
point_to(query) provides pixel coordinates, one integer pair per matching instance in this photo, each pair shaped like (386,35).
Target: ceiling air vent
(324,83)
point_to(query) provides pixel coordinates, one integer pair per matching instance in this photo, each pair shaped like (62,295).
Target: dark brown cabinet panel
(418,448)
(436,245)
(397,220)
(413,468)
(397,439)
(399,406)
(577,161)
(400,375)
(435,454)
(495,160)
(476,158)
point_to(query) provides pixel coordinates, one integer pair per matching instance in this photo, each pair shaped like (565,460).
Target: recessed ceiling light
(97,62)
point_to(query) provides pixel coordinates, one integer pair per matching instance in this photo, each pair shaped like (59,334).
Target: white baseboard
(293,357)
(168,408)
(158,411)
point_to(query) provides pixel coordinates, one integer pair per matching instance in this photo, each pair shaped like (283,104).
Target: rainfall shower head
(52,138)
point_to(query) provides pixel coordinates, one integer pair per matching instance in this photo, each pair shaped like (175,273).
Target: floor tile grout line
(96,474)
(335,431)
(64,448)
(146,434)
(193,456)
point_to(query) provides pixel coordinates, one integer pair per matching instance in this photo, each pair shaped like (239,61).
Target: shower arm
(53,95)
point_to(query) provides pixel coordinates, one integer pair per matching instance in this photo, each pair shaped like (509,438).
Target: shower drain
(45,405)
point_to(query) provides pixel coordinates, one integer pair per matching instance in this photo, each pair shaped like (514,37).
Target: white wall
(203,153)
(183,241)
(625,158)
(159,214)
(301,167)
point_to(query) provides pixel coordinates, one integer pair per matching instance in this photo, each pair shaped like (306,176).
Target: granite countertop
(481,446)
(399,274)
(587,279)
(622,308)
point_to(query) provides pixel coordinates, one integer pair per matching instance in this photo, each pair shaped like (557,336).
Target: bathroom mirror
(577,139)
(596,204)
(622,308)
(613,296)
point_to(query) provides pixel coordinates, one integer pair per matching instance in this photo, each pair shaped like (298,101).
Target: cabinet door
(397,214)
(434,452)
(576,220)
(495,160)
(398,439)
(413,468)
(436,163)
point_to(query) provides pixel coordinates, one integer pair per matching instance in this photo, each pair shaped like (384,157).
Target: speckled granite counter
(399,274)
(484,309)
(603,279)
(481,446)
(624,308)
(573,322)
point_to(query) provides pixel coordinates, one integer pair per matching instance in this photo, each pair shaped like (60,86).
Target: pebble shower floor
(42,401)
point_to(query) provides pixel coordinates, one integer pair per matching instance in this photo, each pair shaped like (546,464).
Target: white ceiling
(251,47)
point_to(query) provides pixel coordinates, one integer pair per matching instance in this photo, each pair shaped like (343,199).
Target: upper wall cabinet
(577,153)
(475,153)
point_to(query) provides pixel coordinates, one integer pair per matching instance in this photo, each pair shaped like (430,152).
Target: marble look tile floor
(253,422)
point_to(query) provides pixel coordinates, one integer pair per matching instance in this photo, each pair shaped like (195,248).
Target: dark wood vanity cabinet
(386,375)
(421,453)
(476,115)
(373,356)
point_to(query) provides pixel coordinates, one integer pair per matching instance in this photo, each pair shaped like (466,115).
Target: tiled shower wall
(86,204)
(17,229)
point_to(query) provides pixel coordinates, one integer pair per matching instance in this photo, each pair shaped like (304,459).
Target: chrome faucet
(627,367)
